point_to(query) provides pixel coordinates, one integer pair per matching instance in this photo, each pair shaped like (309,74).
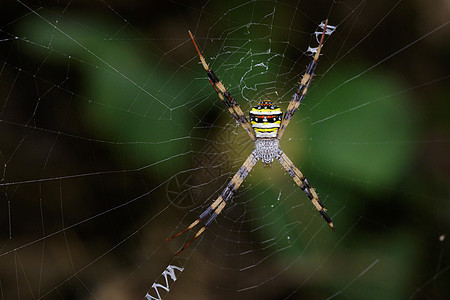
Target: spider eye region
(265,119)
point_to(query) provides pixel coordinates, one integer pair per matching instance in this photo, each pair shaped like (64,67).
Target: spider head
(265,119)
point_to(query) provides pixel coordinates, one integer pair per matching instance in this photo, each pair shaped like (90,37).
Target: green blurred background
(112,140)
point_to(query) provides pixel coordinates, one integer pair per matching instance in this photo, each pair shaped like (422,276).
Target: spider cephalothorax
(265,128)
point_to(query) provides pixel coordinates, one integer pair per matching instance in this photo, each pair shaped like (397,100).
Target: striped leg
(304,185)
(216,208)
(306,80)
(233,108)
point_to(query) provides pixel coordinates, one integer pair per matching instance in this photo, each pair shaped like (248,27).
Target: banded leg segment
(305,81)
(304,185)
(218,205)
(233,108)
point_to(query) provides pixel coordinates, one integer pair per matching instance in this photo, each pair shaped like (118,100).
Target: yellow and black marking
(304,185)
(303,87)
(233,108)
(265,119)
(218,205)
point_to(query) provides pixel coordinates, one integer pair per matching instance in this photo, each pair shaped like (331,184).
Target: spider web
(112,140)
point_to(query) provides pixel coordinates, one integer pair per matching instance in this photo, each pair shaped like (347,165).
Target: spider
(266,127)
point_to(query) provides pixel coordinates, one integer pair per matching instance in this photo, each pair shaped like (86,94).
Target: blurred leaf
(127,98)
(362,130)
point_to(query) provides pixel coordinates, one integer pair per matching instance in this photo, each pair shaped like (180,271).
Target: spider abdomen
(265,119)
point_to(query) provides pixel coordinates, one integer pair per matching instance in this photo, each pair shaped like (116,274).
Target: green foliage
(127,98)
(367,130)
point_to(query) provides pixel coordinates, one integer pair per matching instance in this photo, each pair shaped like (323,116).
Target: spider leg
(304,83)
(233,108)
(304,185)
(218,205)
